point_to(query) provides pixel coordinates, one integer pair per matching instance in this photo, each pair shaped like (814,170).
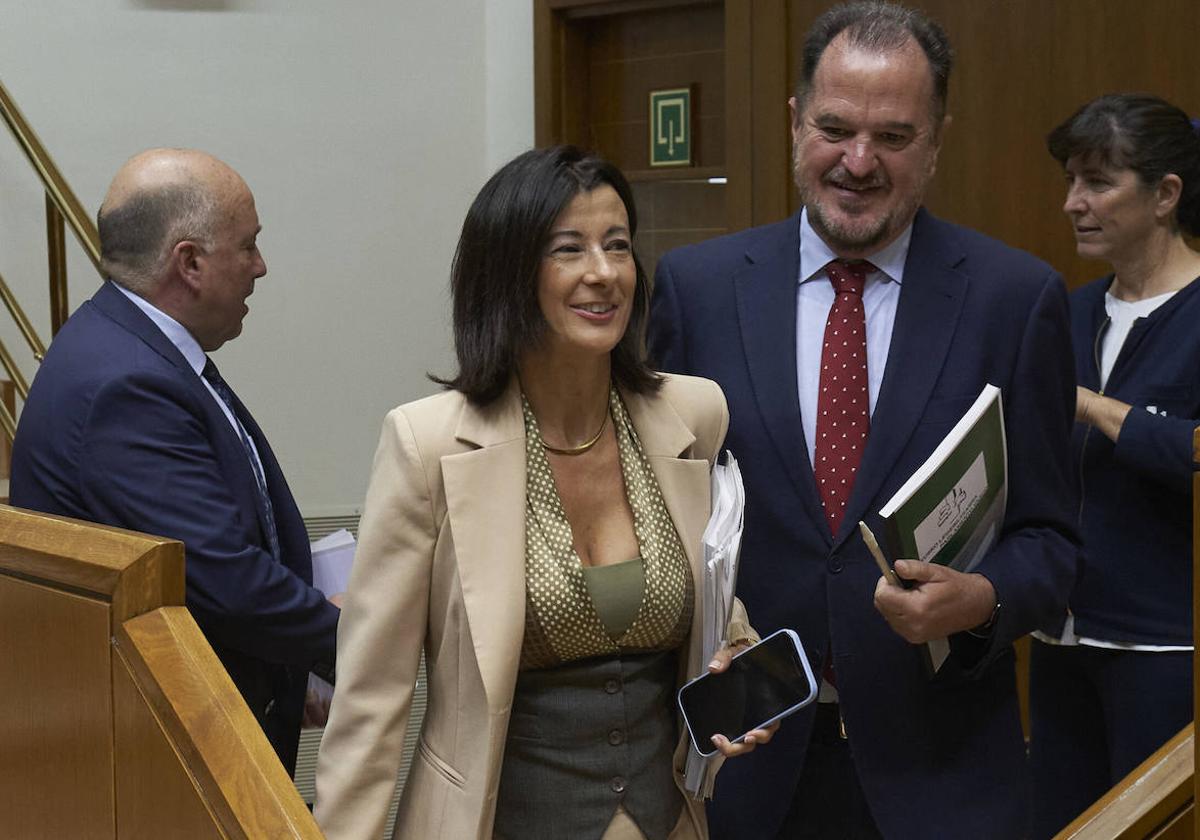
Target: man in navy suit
(128,423)
(943,311)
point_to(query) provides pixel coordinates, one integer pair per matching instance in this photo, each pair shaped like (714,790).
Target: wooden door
(595,66)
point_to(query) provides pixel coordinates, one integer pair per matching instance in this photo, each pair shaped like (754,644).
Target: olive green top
(616,592)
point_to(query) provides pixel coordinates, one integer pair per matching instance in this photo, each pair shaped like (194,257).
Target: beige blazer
(441,567)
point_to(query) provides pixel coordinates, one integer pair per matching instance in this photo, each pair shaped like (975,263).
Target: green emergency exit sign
(671,127)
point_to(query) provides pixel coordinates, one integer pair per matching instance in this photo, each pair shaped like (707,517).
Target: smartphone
(763,684)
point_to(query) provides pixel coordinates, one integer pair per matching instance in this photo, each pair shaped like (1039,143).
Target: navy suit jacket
(119,429)
(937,757)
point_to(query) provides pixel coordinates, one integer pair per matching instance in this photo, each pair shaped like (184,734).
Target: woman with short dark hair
(1113,682)
(535,530)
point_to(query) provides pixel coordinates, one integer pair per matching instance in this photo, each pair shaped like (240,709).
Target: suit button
(835,564)
(616,737)
(617,784)
(612,686)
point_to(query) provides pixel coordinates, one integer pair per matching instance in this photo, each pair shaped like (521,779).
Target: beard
(849,233)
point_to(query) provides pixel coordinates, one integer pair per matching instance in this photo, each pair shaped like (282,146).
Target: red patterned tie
(843,410)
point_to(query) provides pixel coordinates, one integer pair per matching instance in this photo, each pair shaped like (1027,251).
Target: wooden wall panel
(739,111)
(681,30)
(56,706)
(674,213)
(771,82)
(1023,66)
(631,54)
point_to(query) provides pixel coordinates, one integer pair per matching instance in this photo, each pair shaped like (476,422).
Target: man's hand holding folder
(925,603)
(939,602)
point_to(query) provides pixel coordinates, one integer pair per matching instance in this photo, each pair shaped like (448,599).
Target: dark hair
(879,27)
(1139,132)
(137,235)
(494,278)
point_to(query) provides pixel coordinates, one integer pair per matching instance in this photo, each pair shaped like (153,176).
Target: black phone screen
(763,683)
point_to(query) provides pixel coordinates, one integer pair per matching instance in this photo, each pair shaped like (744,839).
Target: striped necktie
(213,377)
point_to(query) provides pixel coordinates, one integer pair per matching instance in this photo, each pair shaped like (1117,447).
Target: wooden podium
(117,720)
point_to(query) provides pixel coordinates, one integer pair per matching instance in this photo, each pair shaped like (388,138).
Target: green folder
(951,510)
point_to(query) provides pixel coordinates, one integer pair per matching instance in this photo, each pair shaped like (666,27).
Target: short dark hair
(137,235)
(494,278)
(1140,132)
(879,27)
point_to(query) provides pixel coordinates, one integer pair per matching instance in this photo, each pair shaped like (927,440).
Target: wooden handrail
(119,721)
(1154,795)
(232,771)
(132,572)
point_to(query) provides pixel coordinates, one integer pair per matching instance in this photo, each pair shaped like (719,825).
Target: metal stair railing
(62,208)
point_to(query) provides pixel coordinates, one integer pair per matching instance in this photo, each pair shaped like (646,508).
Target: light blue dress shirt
(814,299)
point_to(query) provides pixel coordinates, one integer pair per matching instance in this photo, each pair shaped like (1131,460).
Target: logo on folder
(671,127)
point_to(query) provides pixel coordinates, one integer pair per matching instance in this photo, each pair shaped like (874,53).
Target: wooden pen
(880,561)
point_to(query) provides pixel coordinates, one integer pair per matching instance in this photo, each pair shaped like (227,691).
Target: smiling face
(865,144)
(1112,211)
(587,277)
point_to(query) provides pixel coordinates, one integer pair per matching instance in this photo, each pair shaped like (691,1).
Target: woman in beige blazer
(549,310)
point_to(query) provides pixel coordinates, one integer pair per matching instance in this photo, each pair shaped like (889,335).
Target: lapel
(766,302)
(684,481)
(686,489)
(109,300)
(485,504)
(287,516)
(931,298)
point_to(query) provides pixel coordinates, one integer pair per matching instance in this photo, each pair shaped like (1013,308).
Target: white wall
(364,128)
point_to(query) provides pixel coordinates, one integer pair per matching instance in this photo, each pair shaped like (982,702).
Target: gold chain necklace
(581,448)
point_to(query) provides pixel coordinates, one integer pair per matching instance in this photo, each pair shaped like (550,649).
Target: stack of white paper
(332,558)
(721,542)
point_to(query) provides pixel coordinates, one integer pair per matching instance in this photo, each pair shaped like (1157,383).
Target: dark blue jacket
(936,758)
(120,430)
(1136,511)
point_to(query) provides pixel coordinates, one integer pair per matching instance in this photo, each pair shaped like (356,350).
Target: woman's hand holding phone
(738,703)
(754,737)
